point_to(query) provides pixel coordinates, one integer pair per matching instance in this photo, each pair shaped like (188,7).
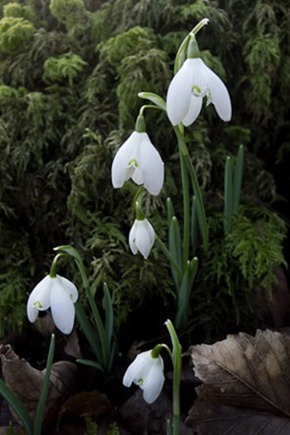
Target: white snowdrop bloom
(138,159)
(185,94)
(57,293)
(141,237)
(148,373)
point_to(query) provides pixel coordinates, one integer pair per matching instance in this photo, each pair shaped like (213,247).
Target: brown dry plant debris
(245,385)
(26,382)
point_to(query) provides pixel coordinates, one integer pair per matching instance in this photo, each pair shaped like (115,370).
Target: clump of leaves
(15,34)
(66,67)
(237,269)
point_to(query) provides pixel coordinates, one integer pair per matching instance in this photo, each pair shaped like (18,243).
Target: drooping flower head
(57,293)
(190,85)
(141,237)
(146,371)
(138,159)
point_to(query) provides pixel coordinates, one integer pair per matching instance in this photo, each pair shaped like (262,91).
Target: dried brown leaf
(26,382)
(72,346)
(93,404)
(207,419)
(243,371)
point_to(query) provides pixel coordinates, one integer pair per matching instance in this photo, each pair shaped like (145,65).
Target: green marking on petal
(196,90)
(134,163)
(140,381)
(37,304)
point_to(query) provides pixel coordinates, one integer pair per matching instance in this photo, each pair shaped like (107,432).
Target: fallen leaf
(242,371)
(207,419)
(72,346)
(26,382)
(93,404)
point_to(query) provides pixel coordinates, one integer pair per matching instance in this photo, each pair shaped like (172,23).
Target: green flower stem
(181,54)
(105,346)
(45,387)
(138,194)
(53,267)
(154,98)
(176,361)
(199,26)
(169,257)
(186,209)
(148,106)
(197,191)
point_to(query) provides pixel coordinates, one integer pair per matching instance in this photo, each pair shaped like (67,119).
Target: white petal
(179,93)
(153,383)
(193,111)
(132,238)
(69,287)
(120,171)
(145,237)
(218,94)
(32,312)
(152,166)
(137,173)
(135,371)
(62,309)
(40,295)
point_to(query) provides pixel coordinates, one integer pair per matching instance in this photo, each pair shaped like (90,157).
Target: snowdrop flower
(59,294)
(141,237)
(146,372)
(138,159)
(185,94)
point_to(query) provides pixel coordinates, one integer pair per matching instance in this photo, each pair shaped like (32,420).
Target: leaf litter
(245,385)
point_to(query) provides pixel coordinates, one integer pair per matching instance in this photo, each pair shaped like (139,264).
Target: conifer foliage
(70,72)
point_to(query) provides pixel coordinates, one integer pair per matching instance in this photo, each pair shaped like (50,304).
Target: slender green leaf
(238,177)
(199,204)
(88,362)
(193,225)
(109,314)
(175,241)
(175,248)
(17,406)
(170,210)
(169,257)
(89,332)
(185,291)
(228,195)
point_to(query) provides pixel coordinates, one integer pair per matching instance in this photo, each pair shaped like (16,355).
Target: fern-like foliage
(70,72)
(66,67)
(15,34)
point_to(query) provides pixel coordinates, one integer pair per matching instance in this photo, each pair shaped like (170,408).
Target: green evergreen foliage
(15,34)
(66,67)
(70,72)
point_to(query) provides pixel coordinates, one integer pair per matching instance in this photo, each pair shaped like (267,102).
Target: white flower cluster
(138,159)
